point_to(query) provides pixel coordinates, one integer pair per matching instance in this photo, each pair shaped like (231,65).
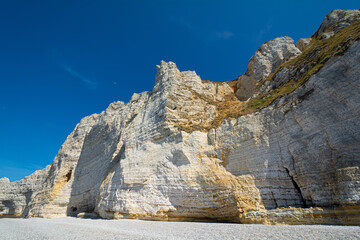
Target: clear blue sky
(63,60)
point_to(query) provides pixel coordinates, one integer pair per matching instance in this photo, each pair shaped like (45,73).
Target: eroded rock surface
(4,180)
(168,154)
(266,60)
(337,20)
(302,43)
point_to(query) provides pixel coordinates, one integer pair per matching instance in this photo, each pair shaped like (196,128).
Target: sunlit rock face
(266,60)
(171,153)
(337,20)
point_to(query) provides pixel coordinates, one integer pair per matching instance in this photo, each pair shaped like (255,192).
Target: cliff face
(195,150)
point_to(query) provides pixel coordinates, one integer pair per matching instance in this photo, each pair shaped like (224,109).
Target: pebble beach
(75,228)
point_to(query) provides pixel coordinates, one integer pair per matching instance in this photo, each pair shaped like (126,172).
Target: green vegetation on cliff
(312,59)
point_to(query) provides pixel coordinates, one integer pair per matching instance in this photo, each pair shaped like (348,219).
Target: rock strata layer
(170,154)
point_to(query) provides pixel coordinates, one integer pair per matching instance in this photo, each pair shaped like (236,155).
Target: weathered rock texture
(337,20)
(302,43)
(266,60)
(175,152)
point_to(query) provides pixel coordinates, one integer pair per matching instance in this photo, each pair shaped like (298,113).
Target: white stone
(161,157)
(266,60)
(4,180)
(337,20)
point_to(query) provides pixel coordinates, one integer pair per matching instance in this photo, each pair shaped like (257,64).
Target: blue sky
(63,60)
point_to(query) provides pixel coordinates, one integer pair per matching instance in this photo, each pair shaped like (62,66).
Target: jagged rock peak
(168,78)
(266,59)
(270,55)
(337,20)
(4,180)
(165,71)
(181,152)
(273,53)
(166,66)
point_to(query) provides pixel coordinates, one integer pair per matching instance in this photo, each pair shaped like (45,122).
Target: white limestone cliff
(179,152)
(266,60)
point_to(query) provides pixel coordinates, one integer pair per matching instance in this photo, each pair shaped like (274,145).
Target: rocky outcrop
(302,43)
(15,197)
(337,20)
(273,53)
(190,150)
(45,193)
(266,60)
(4,180)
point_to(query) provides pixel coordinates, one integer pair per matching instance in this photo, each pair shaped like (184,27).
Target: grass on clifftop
(312,58)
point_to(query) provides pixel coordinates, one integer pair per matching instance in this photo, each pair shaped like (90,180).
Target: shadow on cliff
(95,161)
(276,175)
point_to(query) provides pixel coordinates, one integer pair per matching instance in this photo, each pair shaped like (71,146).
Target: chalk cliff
(281,144)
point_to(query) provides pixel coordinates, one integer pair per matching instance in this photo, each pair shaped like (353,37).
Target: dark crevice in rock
(306,94)
(28,199)
(68,176)
(131,119)
(296,186)
(9,204)
(276,204)
(114,163)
